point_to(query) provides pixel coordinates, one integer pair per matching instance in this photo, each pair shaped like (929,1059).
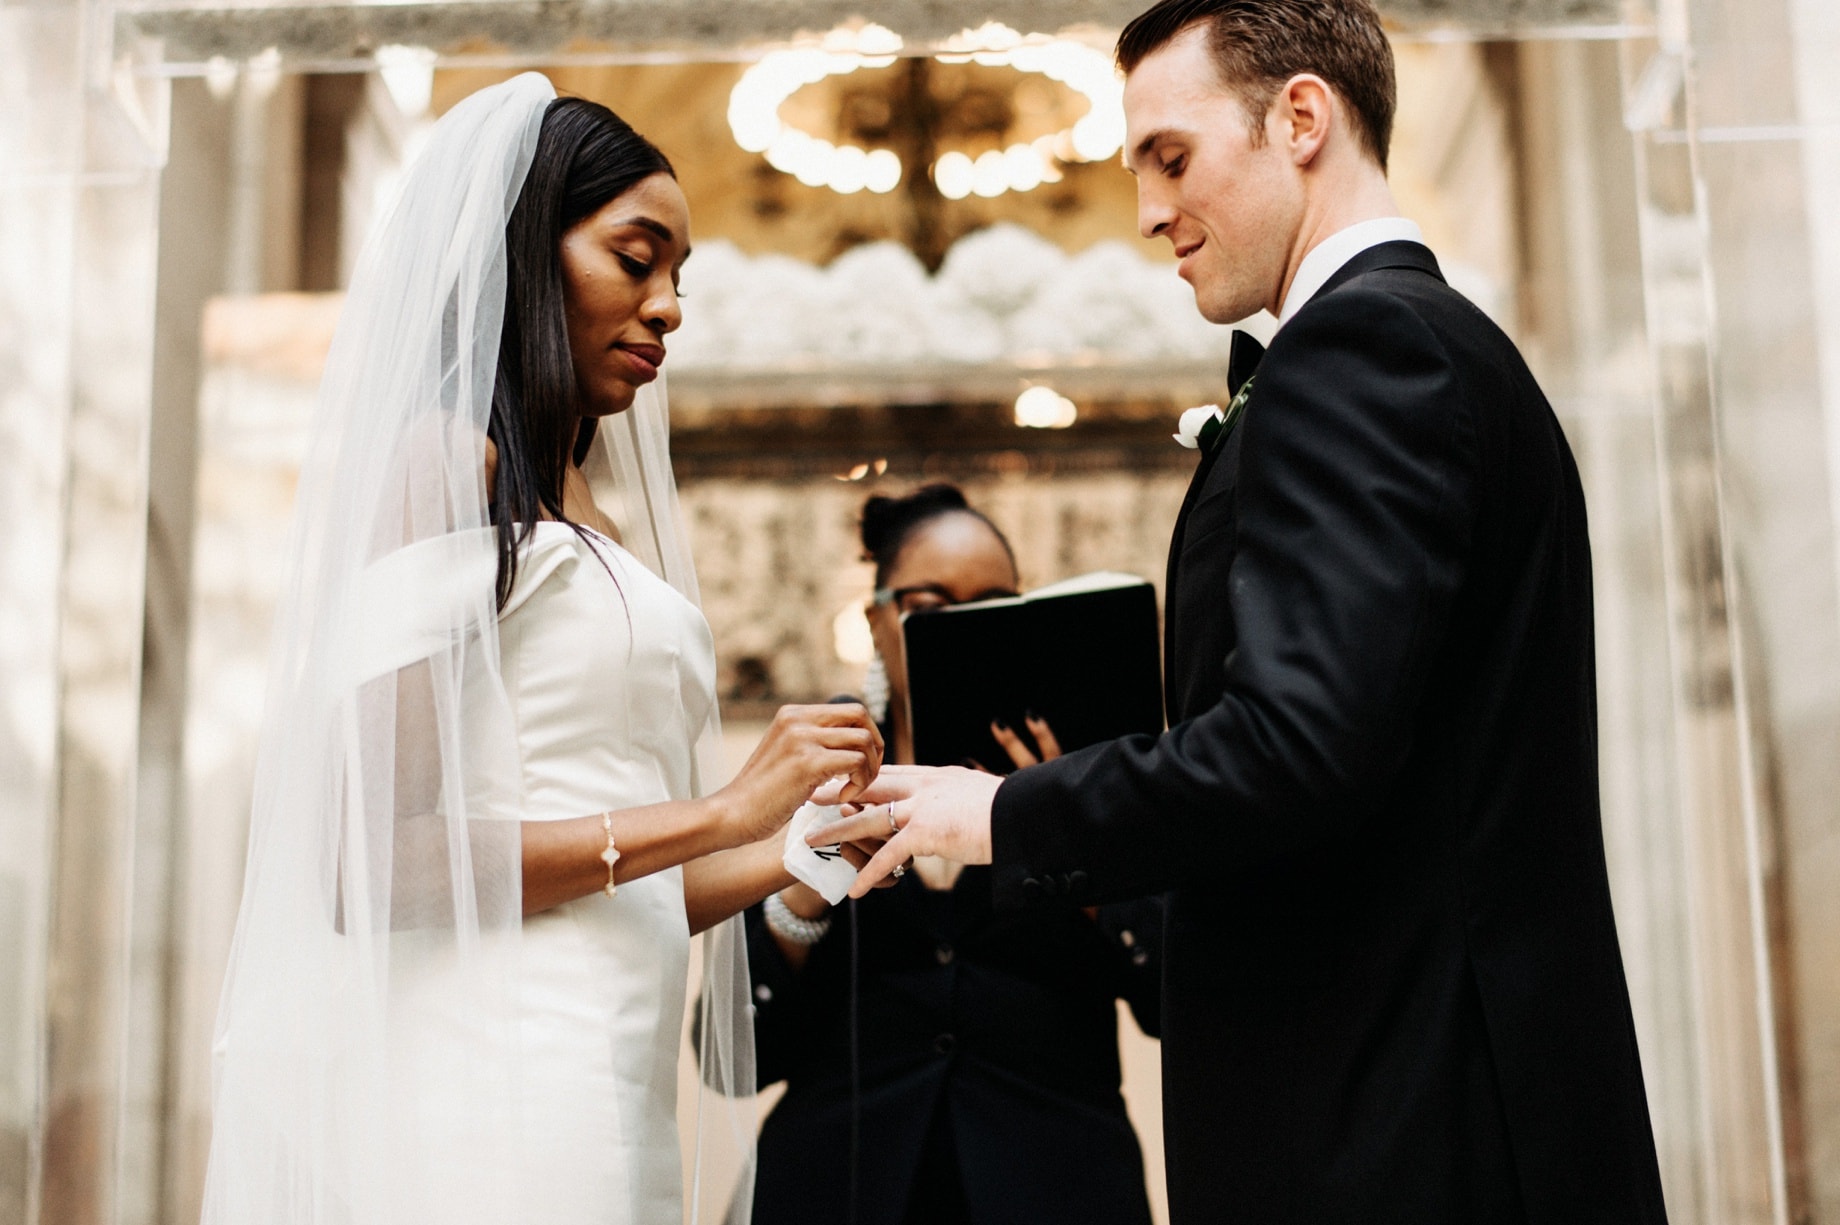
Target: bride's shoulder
(547,556)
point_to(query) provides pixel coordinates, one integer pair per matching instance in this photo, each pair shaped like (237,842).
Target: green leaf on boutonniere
(1217,429)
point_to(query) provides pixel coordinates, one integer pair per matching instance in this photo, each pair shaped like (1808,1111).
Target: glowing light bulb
(882,171)
(784,153)
(990,174)
(849,170)
(954,174)
(1099,135)
(754,125)
(815,163)
(1043,408)
(1023,165)
(755,100)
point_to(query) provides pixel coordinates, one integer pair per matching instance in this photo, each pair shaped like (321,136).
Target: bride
(482,836)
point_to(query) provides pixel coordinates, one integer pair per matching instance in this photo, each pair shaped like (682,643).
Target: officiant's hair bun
(889,523)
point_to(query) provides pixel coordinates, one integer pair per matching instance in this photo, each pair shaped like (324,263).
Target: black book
(1083,654)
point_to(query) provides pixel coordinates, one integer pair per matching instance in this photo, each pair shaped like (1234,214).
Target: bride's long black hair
(586,155)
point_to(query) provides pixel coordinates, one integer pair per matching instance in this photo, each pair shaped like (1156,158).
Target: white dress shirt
(1336,250)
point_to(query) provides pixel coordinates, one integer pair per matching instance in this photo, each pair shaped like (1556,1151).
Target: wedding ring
(899,871)
(893,829)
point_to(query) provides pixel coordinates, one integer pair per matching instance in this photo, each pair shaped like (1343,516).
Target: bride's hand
(805,747)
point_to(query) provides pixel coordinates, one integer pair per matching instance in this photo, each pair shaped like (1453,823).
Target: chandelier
(1008,147)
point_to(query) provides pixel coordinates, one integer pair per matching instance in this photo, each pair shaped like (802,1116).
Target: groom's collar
(1334,253)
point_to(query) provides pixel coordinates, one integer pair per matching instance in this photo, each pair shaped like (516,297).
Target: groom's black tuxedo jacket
(1392,990)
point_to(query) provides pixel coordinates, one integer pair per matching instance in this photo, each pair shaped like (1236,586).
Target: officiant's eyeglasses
(929,597)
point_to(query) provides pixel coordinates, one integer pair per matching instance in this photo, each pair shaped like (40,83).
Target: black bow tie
(1243,360)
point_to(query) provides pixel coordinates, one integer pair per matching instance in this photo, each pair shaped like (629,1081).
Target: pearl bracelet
(788,926)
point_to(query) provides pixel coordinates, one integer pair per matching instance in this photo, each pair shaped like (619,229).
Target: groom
(1393,991)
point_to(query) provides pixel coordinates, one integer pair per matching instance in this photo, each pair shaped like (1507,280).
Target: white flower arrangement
(1004,292)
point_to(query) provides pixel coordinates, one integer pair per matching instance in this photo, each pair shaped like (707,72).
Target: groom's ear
(1304,112)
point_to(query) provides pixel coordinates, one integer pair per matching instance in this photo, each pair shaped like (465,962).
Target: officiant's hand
(942,811)
(805,747)
(1018,749)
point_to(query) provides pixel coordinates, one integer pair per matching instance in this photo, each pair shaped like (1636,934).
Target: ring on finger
(898,871)
(893,828)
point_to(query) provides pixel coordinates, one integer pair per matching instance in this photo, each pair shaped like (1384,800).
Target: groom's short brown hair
(1258,45)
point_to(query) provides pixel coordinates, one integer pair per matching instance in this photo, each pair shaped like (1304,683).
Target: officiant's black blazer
(986,1080)
(1392,986)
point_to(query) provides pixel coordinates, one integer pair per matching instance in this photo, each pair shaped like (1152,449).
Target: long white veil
(382,904)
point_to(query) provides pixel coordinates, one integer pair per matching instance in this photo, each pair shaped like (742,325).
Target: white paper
(822,867)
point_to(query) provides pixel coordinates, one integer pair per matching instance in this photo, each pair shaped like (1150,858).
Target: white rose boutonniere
(1194,421)
(1200,428)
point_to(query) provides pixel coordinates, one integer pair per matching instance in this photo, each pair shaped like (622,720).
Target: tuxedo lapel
(1172,573)
(1195,484)
(1242,363)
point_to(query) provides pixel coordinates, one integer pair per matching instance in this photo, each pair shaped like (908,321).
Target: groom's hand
(937,811)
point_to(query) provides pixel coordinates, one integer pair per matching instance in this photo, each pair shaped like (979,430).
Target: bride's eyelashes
(638,270)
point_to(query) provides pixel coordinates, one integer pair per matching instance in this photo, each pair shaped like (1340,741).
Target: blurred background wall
(1646,195)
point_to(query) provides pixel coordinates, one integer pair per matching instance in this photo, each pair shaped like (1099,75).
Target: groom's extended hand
(942,811)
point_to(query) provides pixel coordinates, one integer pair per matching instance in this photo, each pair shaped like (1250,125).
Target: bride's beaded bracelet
(788,926)
(611,855)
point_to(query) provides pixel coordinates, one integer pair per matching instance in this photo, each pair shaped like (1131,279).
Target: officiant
(967,1062)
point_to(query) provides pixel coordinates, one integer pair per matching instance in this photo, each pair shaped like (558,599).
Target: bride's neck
(577,497)
(578,504)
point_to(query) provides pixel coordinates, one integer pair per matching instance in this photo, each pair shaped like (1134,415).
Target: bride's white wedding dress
(610,682)
(397,1044)
(610,673)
